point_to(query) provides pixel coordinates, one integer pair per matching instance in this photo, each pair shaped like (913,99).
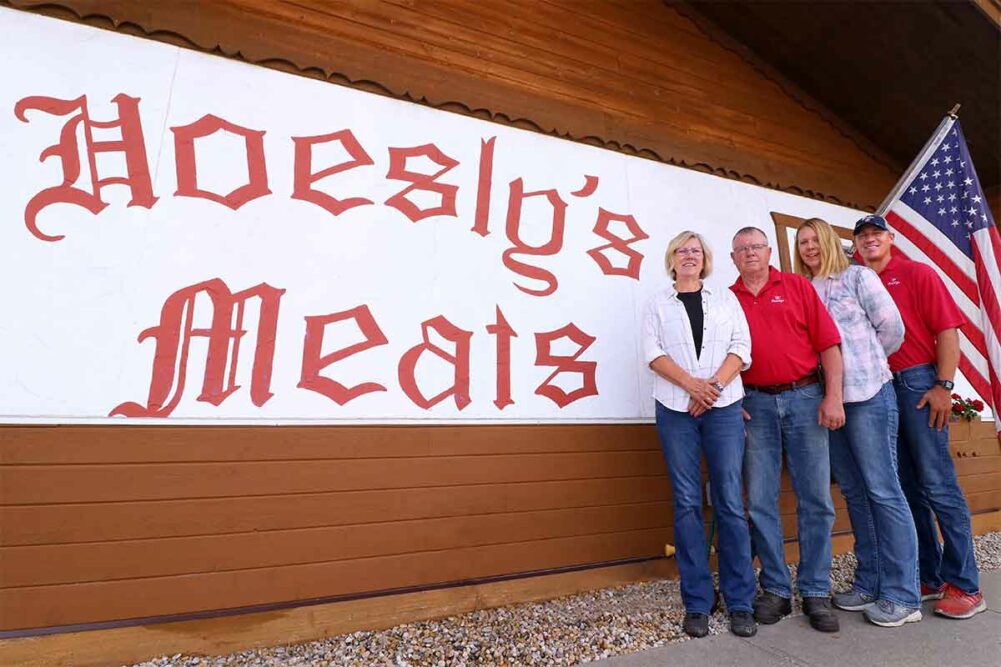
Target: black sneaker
(742,624)
(820,613)
(770,608)
(696,625)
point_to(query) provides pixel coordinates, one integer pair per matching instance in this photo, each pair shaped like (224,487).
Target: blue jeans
(864,463)
(719,435)
(789,421)
(928,477)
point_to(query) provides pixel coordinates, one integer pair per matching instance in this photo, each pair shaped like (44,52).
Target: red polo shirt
(926,307)
(789,328)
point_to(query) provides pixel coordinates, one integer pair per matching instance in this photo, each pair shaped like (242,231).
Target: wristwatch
(945,384)
(716,385)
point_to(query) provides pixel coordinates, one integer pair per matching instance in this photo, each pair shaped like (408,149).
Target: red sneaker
(929,593)
(959,604)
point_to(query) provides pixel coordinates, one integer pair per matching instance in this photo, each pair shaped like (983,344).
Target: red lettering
(425,182)
(173,339)
(565,364)
(618,244)
(186,164)
(459,361)
(504,334)
(132,145)
(550,247)
(313,362)
(304,176)
(481,224)
(589,187)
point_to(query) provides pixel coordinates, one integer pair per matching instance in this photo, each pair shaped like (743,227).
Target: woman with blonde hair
(696,341)
(863,452)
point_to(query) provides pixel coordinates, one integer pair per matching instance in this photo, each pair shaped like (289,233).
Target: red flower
(957,408)
(978,405)
(955,397)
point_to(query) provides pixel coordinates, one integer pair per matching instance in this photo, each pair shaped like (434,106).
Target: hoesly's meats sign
(190,239)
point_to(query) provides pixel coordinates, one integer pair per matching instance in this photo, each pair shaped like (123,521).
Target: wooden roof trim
(991,9)
(66,10)
(804,99)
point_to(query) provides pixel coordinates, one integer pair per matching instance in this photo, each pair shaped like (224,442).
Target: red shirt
(789,328)
(926,307)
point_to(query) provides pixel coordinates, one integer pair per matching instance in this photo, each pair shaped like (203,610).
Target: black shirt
(693,304)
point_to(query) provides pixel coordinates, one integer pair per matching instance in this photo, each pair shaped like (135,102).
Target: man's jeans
(928,477)
(789,421)
(719,435)
(864,462)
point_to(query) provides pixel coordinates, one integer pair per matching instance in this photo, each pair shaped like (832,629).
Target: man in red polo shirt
(923,369)
(790,408)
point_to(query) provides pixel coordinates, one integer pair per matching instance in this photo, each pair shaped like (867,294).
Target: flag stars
(927,200)
(949,171)
(938,186)
(923,176)
(976,198)
(936,174)
(925,188)
(951,184)
(947,159)
(934,162)
(940,199)
(955,223)
(941,211)
(913,190)
(953,209)
(962,164)
(952,196)
(984,217)
(946,147)
(967,181)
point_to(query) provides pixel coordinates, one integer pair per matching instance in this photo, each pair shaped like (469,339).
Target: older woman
(696,341)
(863,452)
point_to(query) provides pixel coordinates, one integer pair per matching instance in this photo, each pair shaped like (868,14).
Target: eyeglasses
(694,252)
(750,247)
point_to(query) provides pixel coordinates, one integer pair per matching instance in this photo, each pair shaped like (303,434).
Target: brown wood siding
(104,523)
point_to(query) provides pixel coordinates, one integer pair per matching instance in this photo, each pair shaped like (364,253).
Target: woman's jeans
(788,421)
(928,478)
(719,435)
(864,463)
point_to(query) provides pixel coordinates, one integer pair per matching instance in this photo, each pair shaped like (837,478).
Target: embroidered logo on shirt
(778,299)
(893,282)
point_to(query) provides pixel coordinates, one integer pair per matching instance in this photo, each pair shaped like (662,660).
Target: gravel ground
(566,631)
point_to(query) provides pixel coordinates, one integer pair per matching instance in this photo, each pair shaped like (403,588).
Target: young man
(923,369)
(788,409)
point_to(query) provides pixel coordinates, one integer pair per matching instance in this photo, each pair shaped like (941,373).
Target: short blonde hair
(832,255)
(680,240)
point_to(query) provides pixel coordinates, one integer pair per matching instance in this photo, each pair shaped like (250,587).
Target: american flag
(941,217)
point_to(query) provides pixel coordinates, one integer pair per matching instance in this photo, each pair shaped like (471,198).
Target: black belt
(806,381)
(897,374)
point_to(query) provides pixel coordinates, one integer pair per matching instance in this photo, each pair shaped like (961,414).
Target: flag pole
(929,148)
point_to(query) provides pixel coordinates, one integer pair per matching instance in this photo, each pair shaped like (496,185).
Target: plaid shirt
(667,331)
(870,325)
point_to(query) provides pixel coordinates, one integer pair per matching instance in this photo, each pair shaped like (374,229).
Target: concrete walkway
(934,641)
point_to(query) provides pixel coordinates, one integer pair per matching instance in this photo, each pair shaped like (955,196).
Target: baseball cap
(877,221)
